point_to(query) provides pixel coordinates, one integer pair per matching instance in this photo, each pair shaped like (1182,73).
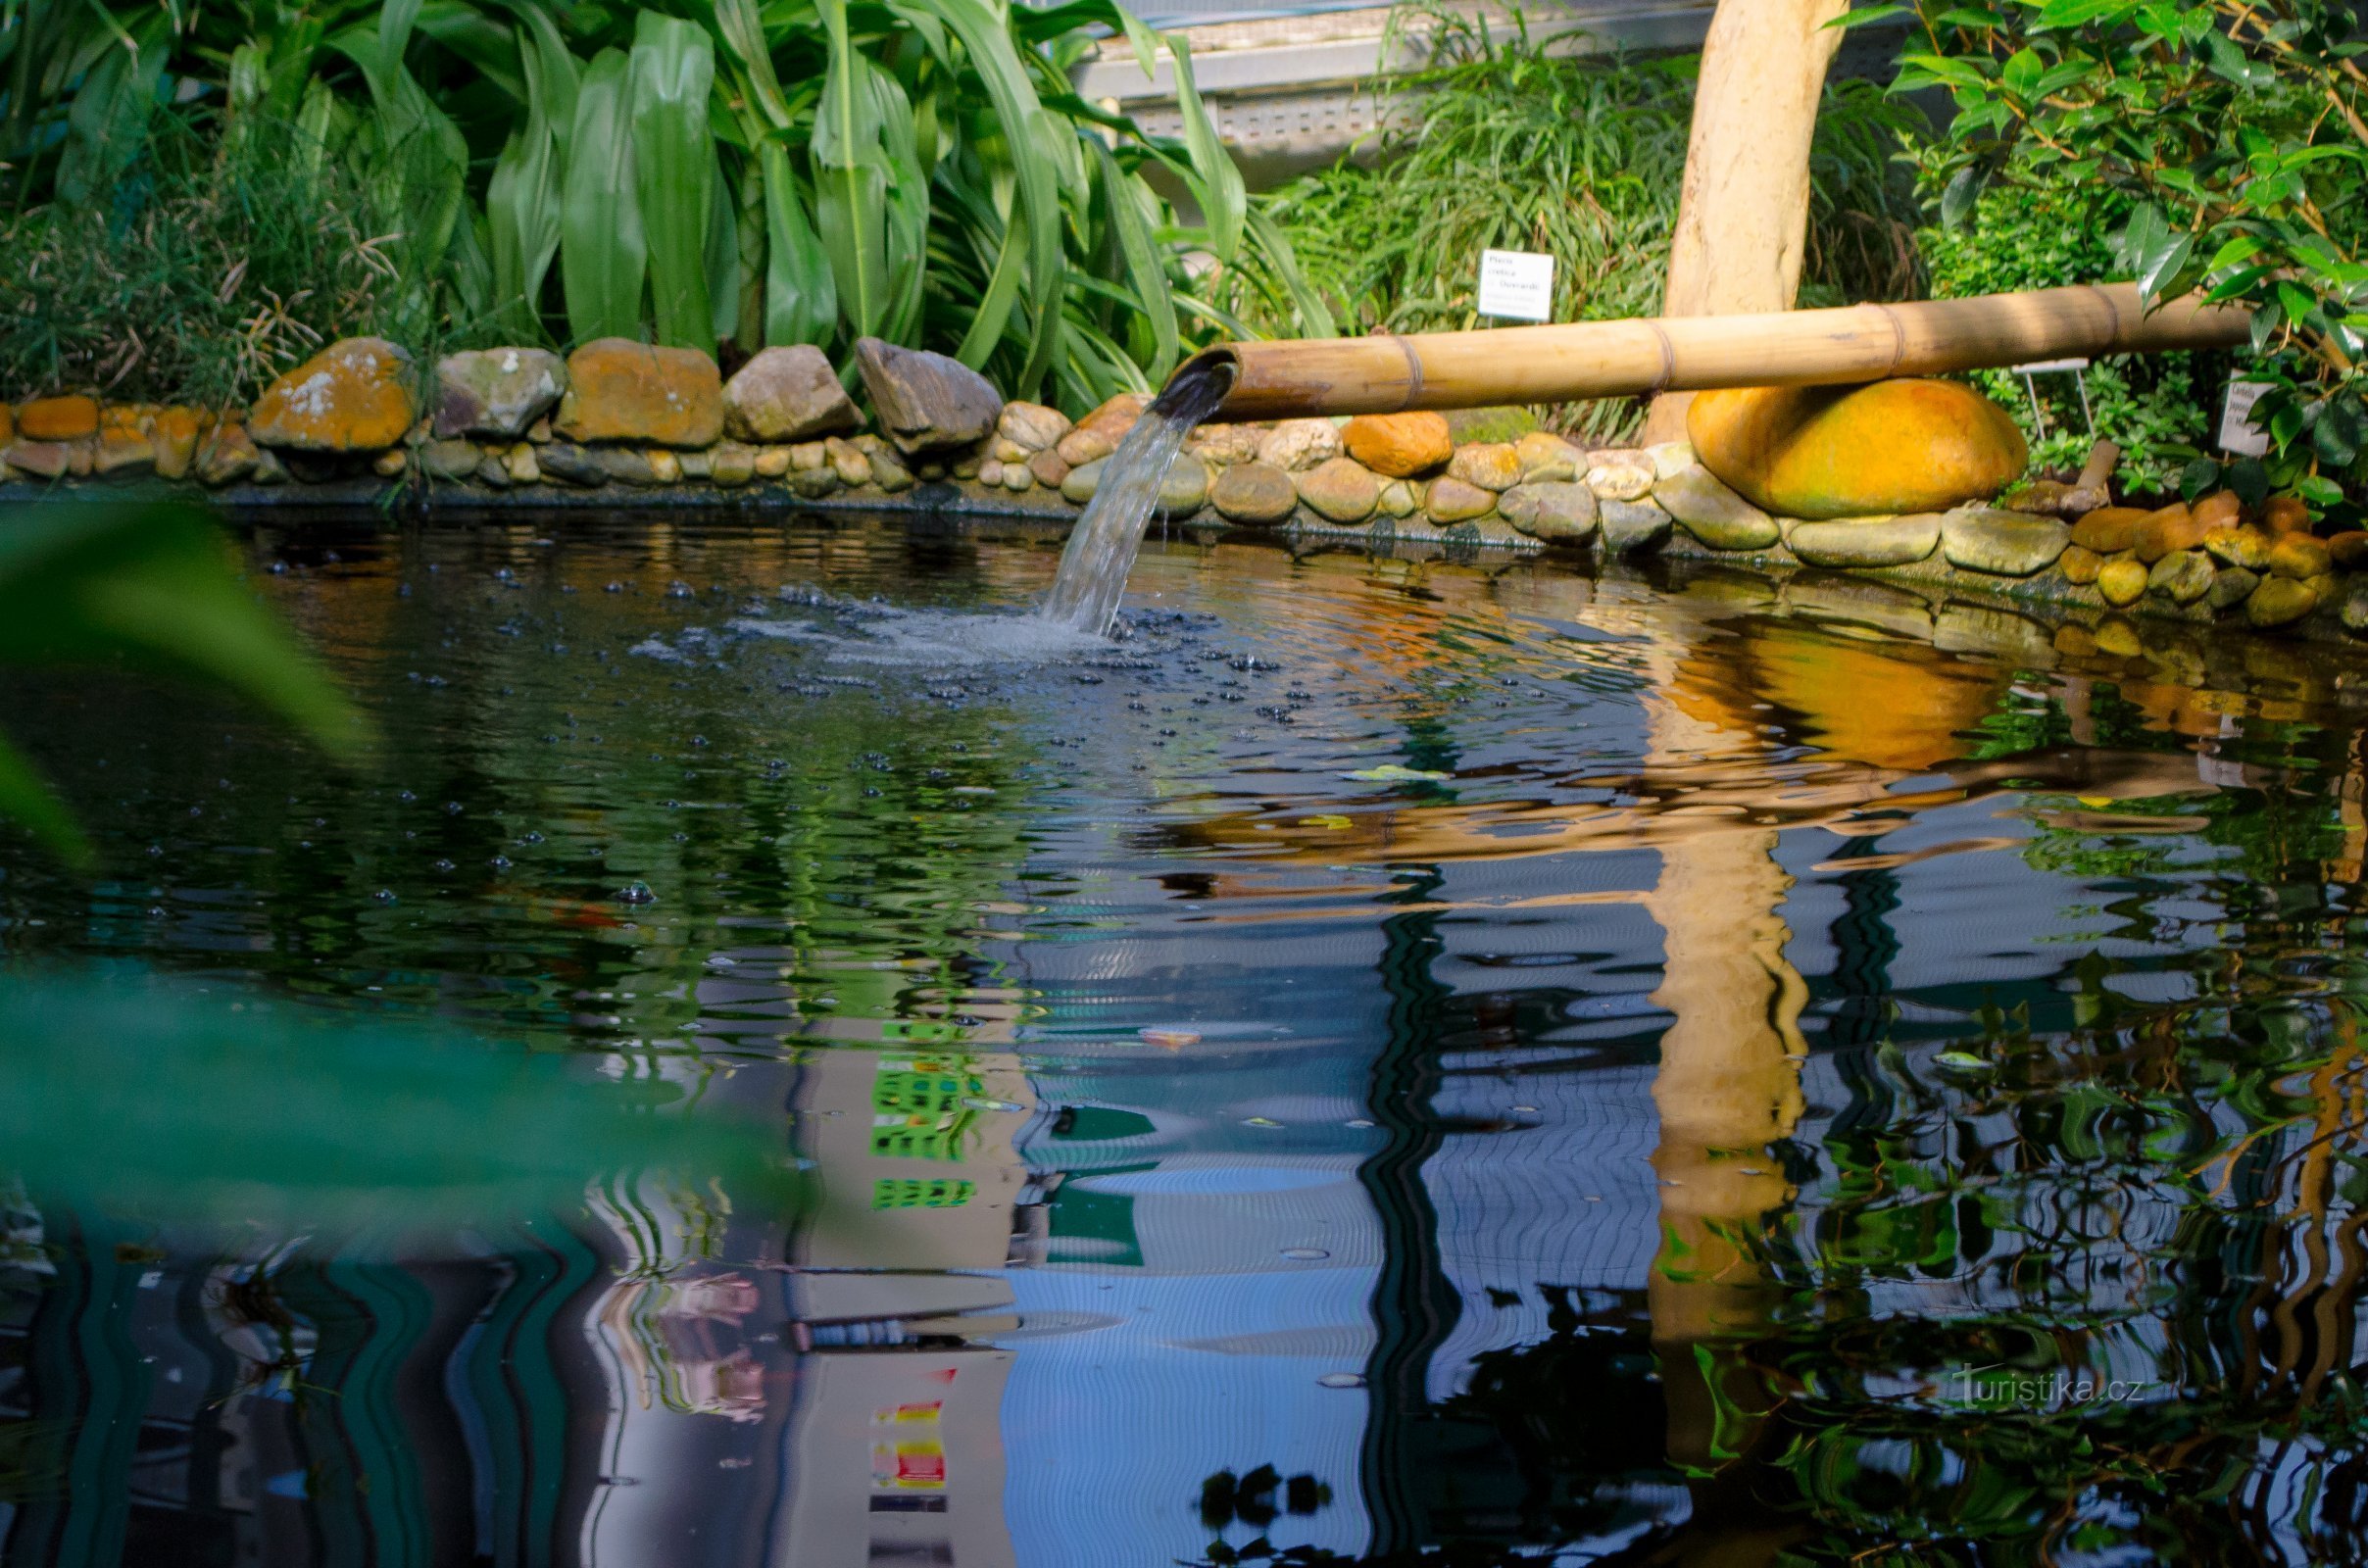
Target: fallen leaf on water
(1328,819)
(1962,1061)
(1392,773)
(1171,1038)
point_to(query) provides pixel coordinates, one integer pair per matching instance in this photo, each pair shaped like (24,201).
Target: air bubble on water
(636,893)
(385,895)
(444,865)
(1341,1379)
(1305,1255)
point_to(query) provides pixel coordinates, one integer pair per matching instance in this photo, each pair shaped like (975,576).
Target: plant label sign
(2238,436)
(1517,286)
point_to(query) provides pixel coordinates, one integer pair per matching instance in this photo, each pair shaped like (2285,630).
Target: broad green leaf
(109,121)
(801,300)
(523,212)
(2080,13)
(908,226)
(1314,316)
(603,257)
(1224,199)
(723,257)
(671,75)
(1146,273)
(851,180)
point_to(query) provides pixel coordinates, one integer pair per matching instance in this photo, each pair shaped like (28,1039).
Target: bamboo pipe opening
(1643,357)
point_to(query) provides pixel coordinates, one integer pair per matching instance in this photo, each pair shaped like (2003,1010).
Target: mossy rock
(1892,447)
(1506,423)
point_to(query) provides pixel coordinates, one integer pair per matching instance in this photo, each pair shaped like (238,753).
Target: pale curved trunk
(1743,214)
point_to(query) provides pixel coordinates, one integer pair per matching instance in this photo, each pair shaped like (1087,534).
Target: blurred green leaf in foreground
(155,1100)
(151,585)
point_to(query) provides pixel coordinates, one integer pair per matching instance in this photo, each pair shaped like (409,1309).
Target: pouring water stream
(1102,548)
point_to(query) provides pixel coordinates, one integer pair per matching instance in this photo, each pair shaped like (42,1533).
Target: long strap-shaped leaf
(986,39)
(1143,266)
(850,179)
(801,299)
(1218,187)
(672,76)
(602,256)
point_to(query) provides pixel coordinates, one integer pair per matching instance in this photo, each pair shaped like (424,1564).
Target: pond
(1390,1061)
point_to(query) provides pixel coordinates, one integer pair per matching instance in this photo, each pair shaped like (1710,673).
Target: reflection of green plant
(151,586)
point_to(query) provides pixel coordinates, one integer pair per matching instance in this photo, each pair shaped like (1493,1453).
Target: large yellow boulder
(360,394)
(1889,447)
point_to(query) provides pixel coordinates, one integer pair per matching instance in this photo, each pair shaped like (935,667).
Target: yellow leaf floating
(1331,819)
(1392,773)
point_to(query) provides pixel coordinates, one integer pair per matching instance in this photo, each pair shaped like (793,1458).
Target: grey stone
(1184,488)
(2002,544)
(1297,444)
(1866,541)
(926,401)
(1254,493)
(1633,527)
(1400,499)
(1340,490)
(1083,480)
(450,460)
(569,464)
(1562,511)
(787,394)
(1621,476)
(497,393)
(813,484)
(1714,514)
(1032,426)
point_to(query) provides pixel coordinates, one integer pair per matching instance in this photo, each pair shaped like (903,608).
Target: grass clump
(218,263)
(1500,140)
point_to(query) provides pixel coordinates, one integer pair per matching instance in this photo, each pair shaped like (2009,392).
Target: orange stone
(2220,510)
(360,394)
(620,390)
(58,418)
(174,439)
(2350,548)
(1117,416)
(2299,556)
(1889,447)
(2166,531)
(1399,445)
(2108,529)
(2286,515)
(8,424)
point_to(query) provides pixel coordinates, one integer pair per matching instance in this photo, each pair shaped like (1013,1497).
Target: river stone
(1546,456)
(1049,469)
(851,467)
(1621,476)
(122,448)
(2349,549)
(1452,500)
(226,453)
(496,392)
(731,465)
(1559,510)
(2002,544)
(1399,446)
(1340,489)
(1887,447)
(1184,488)
(2353,610)
(268,470)
(805,455)
(1082,445)
(1115,415)
(887,472)
(1632,527)
(1295,445)
(2079,565)
(2164,532)
(1254,493)
(1866,541)
(1493,466)
(65,419)
(787,393)
(570,463)
(2183,577)
(1399,498)
(1016,478)
(2279,601)
(2283,515)
(1506,423)
(2107,530)
(174,438)
(43,460)
(1083,482)
(926,401)
(2299,556)
(1707,509)
(450,458)
(2122,580)
(1671,459)
(1223,444)
(2240,547)
(360,394)
(1031,426)
(2222,509)
(2232,587)
(621,390)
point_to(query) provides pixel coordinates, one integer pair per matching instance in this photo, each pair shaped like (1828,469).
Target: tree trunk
(1743,214)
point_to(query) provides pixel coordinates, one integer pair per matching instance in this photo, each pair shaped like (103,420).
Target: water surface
(1417,1061)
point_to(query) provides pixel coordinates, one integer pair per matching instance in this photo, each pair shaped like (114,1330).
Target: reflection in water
(1399,1061)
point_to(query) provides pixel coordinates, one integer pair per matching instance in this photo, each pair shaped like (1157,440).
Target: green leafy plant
(1501,139)
(701,172)
(2231,135)
(2153,407)
(150,586)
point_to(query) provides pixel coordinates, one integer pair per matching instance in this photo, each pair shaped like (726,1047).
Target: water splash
(1102,547)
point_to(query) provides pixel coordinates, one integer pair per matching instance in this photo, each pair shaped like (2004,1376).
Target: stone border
(623,424)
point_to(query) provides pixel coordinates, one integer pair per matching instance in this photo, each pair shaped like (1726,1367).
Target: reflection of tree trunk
(1742,213)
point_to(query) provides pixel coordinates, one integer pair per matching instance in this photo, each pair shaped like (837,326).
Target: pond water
(1391,1061)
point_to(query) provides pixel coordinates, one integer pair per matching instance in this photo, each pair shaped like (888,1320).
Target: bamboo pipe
(1582,360)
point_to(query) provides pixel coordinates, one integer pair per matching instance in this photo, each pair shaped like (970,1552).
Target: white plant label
(2238,436)
(1517,286)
